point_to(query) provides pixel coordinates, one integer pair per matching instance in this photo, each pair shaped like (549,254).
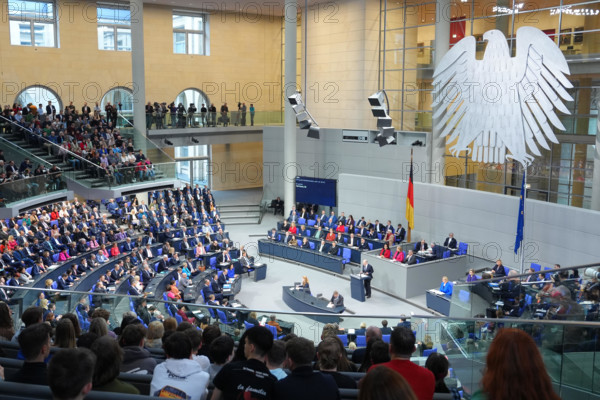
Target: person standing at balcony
(149,112)
(243,111)
(203,111)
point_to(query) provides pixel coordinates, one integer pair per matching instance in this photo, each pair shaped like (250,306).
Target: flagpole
(525,166)
(408,240)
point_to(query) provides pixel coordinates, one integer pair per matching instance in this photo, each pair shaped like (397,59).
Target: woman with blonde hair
(156,330)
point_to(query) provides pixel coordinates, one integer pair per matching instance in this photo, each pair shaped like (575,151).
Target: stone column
(289,136)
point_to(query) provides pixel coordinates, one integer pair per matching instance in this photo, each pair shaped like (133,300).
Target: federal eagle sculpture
(502,104)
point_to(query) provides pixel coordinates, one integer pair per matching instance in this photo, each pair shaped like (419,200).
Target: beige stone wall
(237,166)
(244,62)
(342,62)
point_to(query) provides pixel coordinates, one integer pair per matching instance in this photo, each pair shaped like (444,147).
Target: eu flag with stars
(521,220)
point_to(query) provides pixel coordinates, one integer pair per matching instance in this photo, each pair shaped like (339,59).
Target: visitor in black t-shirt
(250,379)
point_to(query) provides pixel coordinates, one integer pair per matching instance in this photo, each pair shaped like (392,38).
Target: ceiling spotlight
(383,140)
(313,132)
(305,120)
(379,107)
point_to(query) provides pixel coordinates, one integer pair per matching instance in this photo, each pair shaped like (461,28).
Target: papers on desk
(53,266)
(236,305)
(351,331)
(263,321)
(226,286)
(330,305)
(438,292)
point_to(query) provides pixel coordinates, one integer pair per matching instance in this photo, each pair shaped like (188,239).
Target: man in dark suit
(450,242)
(363,245)
(421,246)
(337,299)
(207,290)
(400,234)
(147,274)
(333,250)
(363,231)
(436,251)
(410,258)
(367,271)
(163,264)
(322,247)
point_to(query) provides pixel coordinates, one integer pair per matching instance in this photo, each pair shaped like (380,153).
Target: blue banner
(521,220)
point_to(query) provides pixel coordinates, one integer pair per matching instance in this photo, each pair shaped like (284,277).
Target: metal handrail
(125,119)
(29,154)
(291,312)
(54,145)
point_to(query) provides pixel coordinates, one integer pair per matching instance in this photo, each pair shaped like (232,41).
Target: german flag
(410,199)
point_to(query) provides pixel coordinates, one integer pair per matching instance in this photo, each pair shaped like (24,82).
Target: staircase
(83,176)
(240,214)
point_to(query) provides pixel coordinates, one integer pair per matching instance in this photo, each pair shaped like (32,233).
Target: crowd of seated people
(76,136)
(333,230)
(551,293)
(34,180)
(209,357)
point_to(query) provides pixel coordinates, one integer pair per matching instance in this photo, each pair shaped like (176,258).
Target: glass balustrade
(547,293)
(569,348)
(13,191)
(199,120)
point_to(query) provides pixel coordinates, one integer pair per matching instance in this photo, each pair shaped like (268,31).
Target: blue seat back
(272,329)
(248,325)
(446,254)
(361,341)
(55,257)
(426,353)
(222,317)
(506,271)
(386,338)
(344,339)
(370,245)
(54,285)
(312,245)
(301,221)
(311,222)
(536,267)
(346,253)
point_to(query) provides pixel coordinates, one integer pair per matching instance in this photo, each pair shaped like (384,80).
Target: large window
(37,95)
(189,96)
(189,33)
(114,31)
(32,23)
(120,96)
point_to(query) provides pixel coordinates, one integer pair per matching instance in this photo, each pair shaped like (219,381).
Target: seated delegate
(385,251)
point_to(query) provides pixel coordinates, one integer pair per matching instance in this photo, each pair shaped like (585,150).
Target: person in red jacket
(385,252)
(402,345)
(398,255)
(293,230)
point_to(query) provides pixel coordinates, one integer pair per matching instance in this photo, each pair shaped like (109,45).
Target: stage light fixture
(379,103)
(305,120)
